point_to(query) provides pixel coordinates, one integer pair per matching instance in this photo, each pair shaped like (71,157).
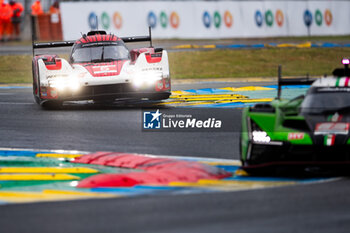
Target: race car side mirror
(158,50)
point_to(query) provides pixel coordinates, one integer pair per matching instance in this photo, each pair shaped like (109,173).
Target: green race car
(306,134)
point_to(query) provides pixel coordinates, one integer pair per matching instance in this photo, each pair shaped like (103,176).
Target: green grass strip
(255,62)
(216,63)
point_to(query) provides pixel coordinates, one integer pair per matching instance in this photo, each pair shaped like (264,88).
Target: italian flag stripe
(329,118)
(329,140)
(337,82)
(347,82)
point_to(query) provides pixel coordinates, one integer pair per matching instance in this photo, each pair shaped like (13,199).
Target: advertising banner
(207,20)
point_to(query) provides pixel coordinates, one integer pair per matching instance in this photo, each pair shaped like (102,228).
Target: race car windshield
(99,53)
(328,101)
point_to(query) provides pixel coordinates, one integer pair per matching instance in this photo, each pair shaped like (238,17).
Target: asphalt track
(319,207)
(101,128)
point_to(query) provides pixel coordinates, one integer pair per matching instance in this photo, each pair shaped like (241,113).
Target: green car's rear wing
(339,72)
(291,81)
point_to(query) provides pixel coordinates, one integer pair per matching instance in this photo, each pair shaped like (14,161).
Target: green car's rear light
(260,136)
(257,134)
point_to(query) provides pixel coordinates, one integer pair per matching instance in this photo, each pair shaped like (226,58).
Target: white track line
(13,103)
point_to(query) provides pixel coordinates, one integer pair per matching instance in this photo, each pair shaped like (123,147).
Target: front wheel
(104,101)
(37,99)
(160,96)
(52,105)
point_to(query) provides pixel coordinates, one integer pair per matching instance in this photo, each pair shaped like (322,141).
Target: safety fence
(208,19)
(47,27)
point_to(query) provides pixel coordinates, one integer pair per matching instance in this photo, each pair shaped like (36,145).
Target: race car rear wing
(139,38)
(71,43)
(291,81)
(53,44)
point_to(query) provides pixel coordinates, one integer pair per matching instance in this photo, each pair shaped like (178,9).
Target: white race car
(102,69)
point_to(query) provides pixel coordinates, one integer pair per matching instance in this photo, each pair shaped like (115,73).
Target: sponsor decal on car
(335,118)
(329,140)
(327,128)
(104,69)
(296,136)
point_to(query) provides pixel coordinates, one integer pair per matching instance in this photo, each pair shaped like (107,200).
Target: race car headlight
(146,78)
(260,136)
(64,83)
(153,79)
(59,84)
(138,81)
(74,84)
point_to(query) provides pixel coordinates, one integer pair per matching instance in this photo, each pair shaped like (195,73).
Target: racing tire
(36,83)
(104,101)
(37,99)
(160,96)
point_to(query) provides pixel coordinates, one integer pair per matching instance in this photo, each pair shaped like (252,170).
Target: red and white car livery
(100,68)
